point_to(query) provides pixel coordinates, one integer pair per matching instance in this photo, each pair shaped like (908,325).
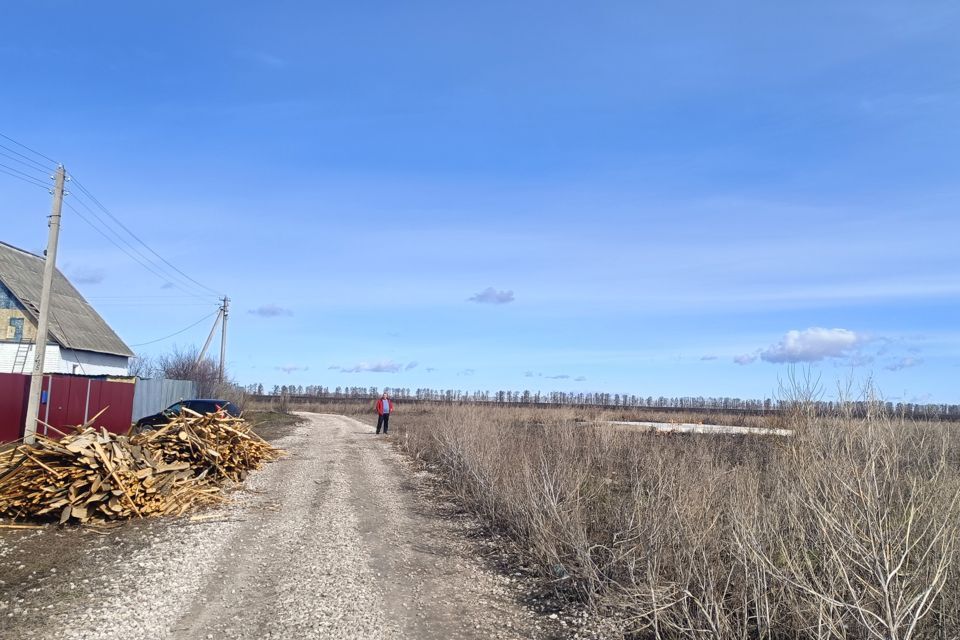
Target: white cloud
(562,376)
(466,372)
(411,365)
(580,379)
(812,345)
(708,357)
(492,296)
(384,366)
(745,359)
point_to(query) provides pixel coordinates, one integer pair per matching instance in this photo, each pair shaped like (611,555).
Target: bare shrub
(847,530)
(860,527)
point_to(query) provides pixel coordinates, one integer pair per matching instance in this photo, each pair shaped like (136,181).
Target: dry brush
(846,530)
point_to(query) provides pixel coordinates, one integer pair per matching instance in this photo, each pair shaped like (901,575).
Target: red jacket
(390,406)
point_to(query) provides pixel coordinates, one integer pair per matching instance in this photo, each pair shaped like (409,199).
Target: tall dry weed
(847,530)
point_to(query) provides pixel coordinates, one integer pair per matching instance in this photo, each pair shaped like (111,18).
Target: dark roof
(73,324)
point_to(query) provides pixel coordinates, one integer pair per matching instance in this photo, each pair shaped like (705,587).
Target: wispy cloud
(492,296)
(561,376)
(291,368)
(430,369)
(466,372)
(904,363)
(411,365)
(270,311)
(384,366)
(809,345)
(263,58)
(87,276)
(167,285)
(708,357)
(860,360)
(580,379)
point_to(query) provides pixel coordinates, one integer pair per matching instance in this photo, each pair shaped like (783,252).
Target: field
(848,529)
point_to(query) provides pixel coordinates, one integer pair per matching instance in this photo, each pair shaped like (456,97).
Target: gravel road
(334,541)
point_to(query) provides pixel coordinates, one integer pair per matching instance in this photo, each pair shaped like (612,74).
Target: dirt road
(335,541)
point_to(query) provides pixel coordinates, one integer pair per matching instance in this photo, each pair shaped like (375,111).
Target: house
(79,341)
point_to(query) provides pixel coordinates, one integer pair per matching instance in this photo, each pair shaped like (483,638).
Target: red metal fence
(66,402)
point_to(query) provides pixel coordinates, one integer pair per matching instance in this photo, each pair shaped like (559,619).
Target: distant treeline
(315,393)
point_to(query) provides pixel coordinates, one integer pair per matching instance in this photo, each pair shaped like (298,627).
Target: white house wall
(90,363)
(59,360)
(8,353)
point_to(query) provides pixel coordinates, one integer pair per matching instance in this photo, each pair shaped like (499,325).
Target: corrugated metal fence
(156,394)
(14,388)
(66,402)
(71,400)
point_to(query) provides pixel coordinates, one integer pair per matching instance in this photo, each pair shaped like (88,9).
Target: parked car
(200,406)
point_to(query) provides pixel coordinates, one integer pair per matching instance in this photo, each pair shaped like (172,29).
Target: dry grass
(847,530)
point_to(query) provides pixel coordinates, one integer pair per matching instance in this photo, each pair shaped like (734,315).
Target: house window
(15,330)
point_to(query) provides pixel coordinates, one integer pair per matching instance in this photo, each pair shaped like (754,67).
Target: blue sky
(667,198)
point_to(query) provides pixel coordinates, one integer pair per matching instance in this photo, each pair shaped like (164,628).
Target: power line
(34,151)
(176,277)
(14,173)
(22,159)
(147,297)
(145,265)
(152,304)
(124,227)
(144,261)
(206,317)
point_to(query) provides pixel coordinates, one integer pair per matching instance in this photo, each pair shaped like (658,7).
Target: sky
(652,198)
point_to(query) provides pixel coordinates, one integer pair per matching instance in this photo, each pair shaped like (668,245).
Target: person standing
(384,407)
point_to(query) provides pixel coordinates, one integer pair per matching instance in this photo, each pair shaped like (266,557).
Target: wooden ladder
(20,359)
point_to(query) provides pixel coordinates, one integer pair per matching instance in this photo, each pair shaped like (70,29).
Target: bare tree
(142,367)
(181,364)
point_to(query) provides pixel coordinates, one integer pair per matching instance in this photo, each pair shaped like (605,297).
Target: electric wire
(145,265)
(206,317)
(150,265)
(10,171)
(185,278)
(132,234)
(153,267)
(11,154)
(30,182)
(33,151)
(145,297)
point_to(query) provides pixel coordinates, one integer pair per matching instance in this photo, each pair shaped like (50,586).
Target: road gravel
(337,540)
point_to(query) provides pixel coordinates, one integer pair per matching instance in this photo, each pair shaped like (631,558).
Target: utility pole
(49,268)
(224,313)
(206,344)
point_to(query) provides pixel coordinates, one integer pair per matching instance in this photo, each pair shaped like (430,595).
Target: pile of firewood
(96,475)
